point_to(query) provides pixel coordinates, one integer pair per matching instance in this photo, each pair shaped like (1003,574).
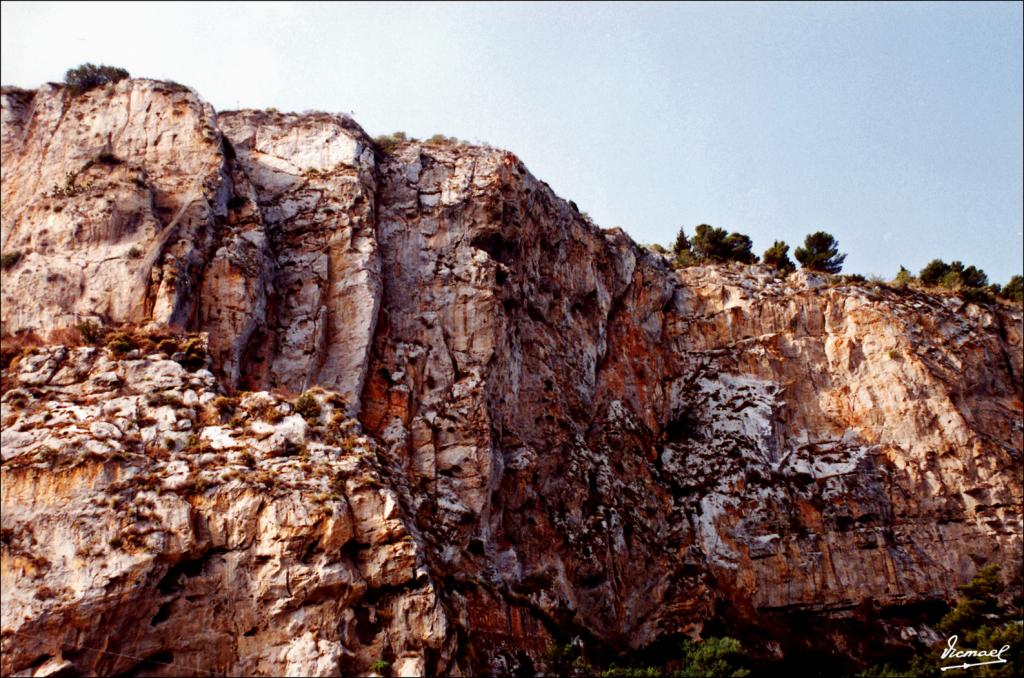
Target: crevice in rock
(188,568)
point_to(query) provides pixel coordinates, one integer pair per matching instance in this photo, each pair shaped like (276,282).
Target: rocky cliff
(518,427)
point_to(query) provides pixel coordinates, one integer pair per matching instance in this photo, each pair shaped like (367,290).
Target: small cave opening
(495,245)
(684,425)
(162,614)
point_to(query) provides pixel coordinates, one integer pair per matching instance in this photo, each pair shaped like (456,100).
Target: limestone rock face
(141,532)
(539,429)
(311,181)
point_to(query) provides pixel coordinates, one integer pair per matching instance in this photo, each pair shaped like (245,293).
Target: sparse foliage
(565,660)
(380,666)
(903,278)
(442,140)
(91,331)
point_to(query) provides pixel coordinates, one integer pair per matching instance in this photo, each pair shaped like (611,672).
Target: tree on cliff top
(1014,290)
(820,252)
(777,256)
(714,244)
(953,276)
(682,243)
(87,76)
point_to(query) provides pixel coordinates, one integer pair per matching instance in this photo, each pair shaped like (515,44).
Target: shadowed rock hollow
(528,427)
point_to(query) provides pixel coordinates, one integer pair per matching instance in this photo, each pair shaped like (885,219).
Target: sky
(895,127)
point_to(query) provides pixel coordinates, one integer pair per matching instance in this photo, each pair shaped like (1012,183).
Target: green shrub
(1014,290)
(68,189)
(903,278)
(165,400)
(565,660)
(380,666)
(91,331)
(9,260)
(820,252)
(194,351)
(958,276)
(980,622)
(713,657)
(176,86)
(777,256)
(121,343)
(307,406)
(225,405)
(87,76)
(614,671)
(442,140)
(976,296)
(685,259)
(389,142)
(933,272)
(952,276)
(971,277)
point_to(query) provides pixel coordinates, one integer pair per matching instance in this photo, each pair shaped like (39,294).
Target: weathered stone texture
(563,434)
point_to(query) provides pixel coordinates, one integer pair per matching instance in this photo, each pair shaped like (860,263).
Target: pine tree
(777,256)
(820,252)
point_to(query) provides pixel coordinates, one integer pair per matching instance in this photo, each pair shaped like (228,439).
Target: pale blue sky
(897,127)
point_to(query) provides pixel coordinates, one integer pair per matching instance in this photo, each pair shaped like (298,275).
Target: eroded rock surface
(562,434)
(149,525)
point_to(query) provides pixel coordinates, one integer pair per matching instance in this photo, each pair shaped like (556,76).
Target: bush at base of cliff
(713,657)
(980,623)
(565,660)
